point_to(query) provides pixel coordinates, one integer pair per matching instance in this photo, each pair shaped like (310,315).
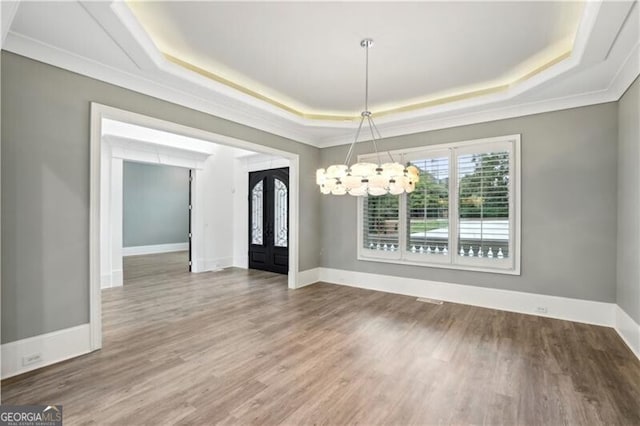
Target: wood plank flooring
(238,347)
(137,268)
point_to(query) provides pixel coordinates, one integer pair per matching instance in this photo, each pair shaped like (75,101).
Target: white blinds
(464,213)
(483,205)
(380,223)
(428,209)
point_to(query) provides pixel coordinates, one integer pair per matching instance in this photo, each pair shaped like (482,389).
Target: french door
(269,220)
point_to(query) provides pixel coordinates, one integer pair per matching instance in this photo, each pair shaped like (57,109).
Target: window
(463,214)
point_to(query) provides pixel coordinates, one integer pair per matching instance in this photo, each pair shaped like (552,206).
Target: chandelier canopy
(362,179)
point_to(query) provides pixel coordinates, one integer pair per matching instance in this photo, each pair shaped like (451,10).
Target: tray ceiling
(296,68)
(306,57)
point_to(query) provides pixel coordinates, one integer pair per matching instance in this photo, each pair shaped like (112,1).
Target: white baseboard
(629,330)
(578,310)
(308,277)
(158,248)
(51,347)
(105,281)
(241,262)
(206,265)
(116,279)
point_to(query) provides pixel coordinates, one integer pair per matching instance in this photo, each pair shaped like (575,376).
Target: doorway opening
(156,225)
(219,168)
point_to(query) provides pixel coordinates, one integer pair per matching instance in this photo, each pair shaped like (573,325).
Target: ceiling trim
(625,76)
(8,11)
(261,120)
(215,77)
(546,72)
(391,129)
(167,81)
(225,108)
(404,108)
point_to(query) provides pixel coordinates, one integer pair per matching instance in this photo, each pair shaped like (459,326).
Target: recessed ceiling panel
(307,55)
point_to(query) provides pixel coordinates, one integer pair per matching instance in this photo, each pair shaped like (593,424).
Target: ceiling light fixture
(363,179)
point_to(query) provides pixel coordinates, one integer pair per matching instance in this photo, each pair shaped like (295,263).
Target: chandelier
(363,179)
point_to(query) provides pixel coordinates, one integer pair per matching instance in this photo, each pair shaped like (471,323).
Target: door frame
(100,112)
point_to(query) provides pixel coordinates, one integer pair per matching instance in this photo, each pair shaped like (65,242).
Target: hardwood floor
(238,347)
(136,268)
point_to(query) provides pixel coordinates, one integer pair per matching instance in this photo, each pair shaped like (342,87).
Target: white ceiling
(307,56)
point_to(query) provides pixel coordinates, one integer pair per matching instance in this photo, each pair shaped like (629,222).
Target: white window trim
(511,266)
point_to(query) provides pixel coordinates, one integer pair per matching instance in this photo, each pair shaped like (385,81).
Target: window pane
(280,223)
(380,222)
(483,190)
(428,208)
(257,195)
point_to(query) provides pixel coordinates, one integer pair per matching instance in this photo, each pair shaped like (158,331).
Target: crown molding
(155,76)
(139,46)
(398,129)
(624,77)
(627,74)
(569,59)
(226,108)
(8,10)
(492,108)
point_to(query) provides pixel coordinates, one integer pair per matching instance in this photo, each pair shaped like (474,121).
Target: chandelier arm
(373,138)
(353,144)
(380,137)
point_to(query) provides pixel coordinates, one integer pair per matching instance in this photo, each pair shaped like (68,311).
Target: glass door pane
(281,207)
(257,196)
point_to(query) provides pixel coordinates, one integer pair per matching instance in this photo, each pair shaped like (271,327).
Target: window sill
(458,267)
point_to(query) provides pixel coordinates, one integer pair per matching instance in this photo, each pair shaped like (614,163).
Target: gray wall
(628,279)
(155,205)
(569,161)
(45,189)
(568,206)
